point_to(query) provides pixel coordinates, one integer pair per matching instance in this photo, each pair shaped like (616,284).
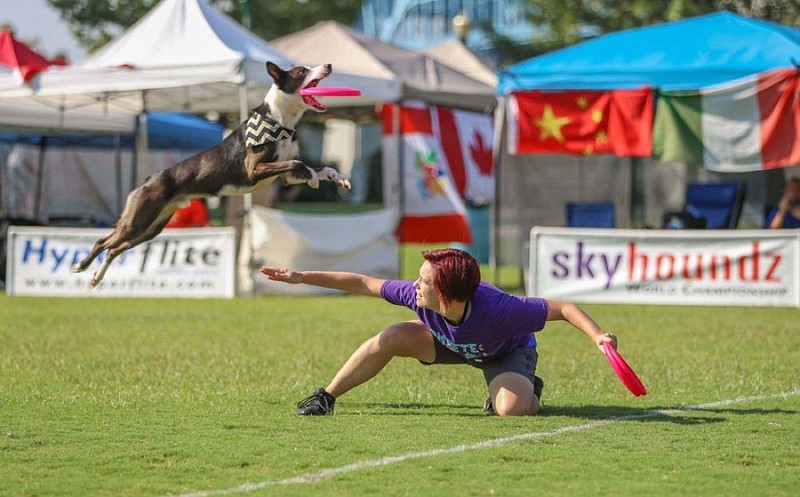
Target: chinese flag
(618,122)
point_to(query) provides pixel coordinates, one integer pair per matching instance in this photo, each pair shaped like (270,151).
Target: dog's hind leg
(122,244)
(98,247)
(147,210)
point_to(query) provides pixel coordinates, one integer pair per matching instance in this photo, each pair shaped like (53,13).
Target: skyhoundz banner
(678,267)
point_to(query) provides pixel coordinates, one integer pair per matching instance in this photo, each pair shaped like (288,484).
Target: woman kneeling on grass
(460,320)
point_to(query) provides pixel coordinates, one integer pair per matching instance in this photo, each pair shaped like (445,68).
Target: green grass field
(141,397)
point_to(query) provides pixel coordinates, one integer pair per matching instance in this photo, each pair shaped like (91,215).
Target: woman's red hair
(456,274)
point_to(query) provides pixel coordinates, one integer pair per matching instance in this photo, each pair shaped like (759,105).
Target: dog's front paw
(330,174)
(314,181)
(299,174)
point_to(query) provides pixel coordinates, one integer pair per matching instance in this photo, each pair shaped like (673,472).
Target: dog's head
(298,77)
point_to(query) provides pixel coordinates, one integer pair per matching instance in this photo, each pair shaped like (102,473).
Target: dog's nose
(328,67)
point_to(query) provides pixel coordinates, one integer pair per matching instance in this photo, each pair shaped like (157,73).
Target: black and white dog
(261,150)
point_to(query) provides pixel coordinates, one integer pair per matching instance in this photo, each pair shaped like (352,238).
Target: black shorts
(521,361)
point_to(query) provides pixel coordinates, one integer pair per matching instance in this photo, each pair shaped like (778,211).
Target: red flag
(20,57)
(466,138)
(432,209)
(618,122)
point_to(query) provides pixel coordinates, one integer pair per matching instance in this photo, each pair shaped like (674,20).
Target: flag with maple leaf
(467,140)
(432,210)
(585,122)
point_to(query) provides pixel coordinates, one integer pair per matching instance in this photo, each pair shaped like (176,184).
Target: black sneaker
(538,386)
(319,403)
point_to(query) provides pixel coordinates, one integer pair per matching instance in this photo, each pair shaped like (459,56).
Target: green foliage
(565,22)
(155,397)
(274,18)
(96,22)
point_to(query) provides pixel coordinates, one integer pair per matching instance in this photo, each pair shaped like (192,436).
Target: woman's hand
(282,274)
(784,205)
(601,339)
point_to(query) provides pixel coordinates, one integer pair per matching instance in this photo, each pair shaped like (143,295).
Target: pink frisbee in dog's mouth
(330,91)
(624,372)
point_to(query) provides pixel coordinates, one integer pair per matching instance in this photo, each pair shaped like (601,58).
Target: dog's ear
(274,71)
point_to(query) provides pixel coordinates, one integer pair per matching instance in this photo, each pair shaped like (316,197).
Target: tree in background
(564,22)
(568,21)
(559,22)
(96,22)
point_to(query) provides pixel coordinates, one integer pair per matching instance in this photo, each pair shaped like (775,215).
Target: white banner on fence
(188,262)
(691,267)
(358,242)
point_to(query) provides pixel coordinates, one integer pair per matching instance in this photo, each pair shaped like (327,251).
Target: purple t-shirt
(789,221)
(496,322)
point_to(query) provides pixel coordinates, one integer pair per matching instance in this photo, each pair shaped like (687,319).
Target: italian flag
(432,210)
(746,125)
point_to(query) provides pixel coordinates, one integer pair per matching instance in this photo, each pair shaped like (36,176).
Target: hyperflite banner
(694,267)
(187,262)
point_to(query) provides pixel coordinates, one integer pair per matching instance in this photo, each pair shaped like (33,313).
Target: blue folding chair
(720,204)
(591,215)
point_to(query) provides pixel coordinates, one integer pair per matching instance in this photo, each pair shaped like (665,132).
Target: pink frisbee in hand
(624,372)
(330,91)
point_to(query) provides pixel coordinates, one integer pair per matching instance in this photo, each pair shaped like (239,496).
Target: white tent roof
(419,76)
(455,54)
(46,119)
(178,33)
(183,55)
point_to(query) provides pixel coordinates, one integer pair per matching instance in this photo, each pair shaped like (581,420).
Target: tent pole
(247,201)
(142,166)
(636,194)
(494,227)
(400,194)
(118,170)
(37,208)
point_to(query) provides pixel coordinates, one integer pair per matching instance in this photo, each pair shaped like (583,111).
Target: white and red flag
(432,210)
(744,125)
(466,138)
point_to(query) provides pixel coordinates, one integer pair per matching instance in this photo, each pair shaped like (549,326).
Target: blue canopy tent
(166,132)
(684,55)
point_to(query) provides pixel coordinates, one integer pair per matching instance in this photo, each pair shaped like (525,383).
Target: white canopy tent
(184,55)
(15,115)
(455,54)
(416,76)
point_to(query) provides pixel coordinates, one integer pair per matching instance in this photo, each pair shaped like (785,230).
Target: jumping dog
(262,149)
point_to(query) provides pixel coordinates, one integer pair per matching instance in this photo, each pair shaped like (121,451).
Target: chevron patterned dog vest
(261,130)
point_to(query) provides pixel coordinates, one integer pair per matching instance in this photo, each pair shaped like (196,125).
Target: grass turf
(141,397)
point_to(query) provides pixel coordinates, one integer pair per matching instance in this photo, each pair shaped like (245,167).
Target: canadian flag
(466,138)
(432,210)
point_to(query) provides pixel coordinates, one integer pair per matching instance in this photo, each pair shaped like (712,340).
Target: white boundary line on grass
(497,442)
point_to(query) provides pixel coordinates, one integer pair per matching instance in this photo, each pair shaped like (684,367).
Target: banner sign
(187,262)
(686,267)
